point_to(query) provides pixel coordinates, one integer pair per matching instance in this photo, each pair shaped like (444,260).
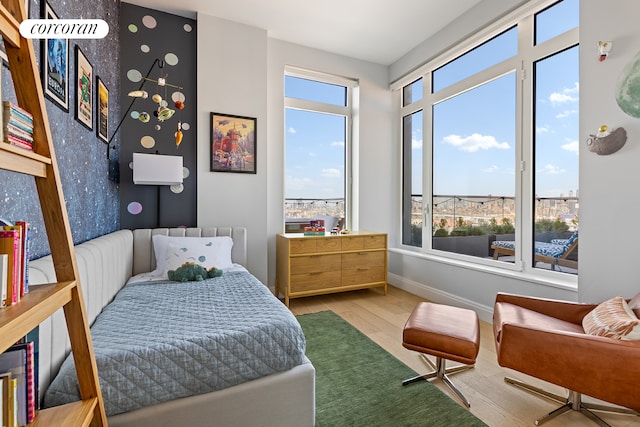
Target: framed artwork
(55,60)
(84,89)
(102,102)
(233,143)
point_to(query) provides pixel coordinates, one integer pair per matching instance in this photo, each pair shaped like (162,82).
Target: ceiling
(379,31)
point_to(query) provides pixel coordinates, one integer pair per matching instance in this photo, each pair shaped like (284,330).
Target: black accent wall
(147,35)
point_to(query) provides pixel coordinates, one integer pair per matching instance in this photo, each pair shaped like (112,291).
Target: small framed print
(102,103)
(233,143)
(84,89)
(55,61)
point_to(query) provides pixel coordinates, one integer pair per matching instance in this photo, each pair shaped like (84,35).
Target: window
(499,160)
(317,149)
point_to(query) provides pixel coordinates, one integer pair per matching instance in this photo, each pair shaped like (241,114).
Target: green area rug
(359,384)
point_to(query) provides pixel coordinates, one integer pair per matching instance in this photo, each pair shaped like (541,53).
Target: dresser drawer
(315,281)
(378,241)
(329,244)
(352,243)
(363,267)
(316,263)
(302,246)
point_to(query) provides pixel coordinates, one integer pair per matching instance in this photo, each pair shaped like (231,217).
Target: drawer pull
(315,273)
(363,253)
(363,268)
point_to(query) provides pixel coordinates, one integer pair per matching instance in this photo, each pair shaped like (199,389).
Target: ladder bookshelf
(42,301)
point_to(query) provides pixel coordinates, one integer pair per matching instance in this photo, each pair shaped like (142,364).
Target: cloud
(566,95)
(491,169)
(330,173)
(337,144)
(565,114)
(416,144)
(542,129)
(475,142)
(572,146)
(291,130)
(312,154)
(550,169)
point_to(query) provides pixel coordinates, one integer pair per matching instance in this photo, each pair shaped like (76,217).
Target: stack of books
(14,262)
(17,126)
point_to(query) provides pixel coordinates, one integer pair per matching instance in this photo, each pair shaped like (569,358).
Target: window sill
(544,278)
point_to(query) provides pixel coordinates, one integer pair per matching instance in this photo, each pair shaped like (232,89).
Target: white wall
(241,72)
(376,150)
(609,202)
(608,184)
(232,79)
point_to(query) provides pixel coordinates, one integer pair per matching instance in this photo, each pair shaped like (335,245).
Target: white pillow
(215,250)
(613,319)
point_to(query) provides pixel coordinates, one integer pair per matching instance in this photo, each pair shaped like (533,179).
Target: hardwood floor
(382,318)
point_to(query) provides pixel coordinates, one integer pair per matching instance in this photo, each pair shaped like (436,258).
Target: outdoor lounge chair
(556,252)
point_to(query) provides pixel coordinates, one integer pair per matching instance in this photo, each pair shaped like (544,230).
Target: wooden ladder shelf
(42,301)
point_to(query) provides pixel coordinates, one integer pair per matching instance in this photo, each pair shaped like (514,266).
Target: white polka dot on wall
(185,173)
(133,28)
(135,115)
(186,126)
(188,28)
(171,58)
(147,141)
(145,48)
(134,75)
(149,21)
(178,188)
(131,165)
(134,208)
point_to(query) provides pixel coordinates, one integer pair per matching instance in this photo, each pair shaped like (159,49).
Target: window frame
(523,64)
(346,111)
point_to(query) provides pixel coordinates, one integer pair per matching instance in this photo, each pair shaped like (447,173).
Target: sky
(315,143)
(474,132)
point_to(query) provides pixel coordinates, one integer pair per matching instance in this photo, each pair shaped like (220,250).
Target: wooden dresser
(315,265)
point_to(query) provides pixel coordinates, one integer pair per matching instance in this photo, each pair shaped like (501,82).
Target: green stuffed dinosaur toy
(190,271)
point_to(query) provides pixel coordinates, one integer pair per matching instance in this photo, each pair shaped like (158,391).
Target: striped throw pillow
(613,319)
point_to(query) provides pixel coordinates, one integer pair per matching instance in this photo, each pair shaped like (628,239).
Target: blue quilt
(160,341)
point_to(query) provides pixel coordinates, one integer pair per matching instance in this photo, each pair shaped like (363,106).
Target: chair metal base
(441,372)
(572,402)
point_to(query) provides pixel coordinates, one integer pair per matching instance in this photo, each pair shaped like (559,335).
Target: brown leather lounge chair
(546,339)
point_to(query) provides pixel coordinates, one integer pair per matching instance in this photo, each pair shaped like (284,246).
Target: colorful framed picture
(233,143)
(55,60)
(84,89)
(102,103)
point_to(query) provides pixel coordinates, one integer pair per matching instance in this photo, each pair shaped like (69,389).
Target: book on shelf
(10,244)
(17,142)
(4,259)
(25,246)
(15,362)
(10,109)
(8,400)
(18,128)
(11,129)
(26,350)
(5,380)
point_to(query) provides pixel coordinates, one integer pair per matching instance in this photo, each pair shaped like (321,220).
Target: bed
(240,363)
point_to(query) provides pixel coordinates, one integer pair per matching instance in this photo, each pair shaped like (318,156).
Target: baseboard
(437,295)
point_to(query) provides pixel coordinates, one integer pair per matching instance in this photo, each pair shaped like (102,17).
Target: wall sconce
(603,49)
(162,112)
(156,169)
